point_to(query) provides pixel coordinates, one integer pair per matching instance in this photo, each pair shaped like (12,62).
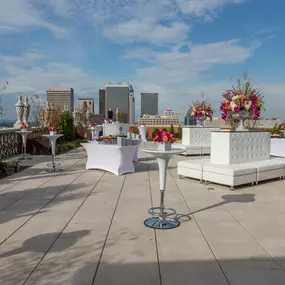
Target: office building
(169,113)
(61,98)
(120,96)
(157,120)
(102,104)
(149,104)
(85,104)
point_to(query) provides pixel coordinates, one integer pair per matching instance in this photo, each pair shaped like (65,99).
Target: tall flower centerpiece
(241,103)
(200,111)
(52,130)
(164,140)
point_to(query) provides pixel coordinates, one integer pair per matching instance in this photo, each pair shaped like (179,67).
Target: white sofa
(234,174)
(196,140)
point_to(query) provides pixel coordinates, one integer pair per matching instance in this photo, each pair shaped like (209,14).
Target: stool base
(162,223)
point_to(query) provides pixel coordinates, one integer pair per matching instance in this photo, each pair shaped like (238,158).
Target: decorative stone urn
(26,112)
(242,116)
(19,110)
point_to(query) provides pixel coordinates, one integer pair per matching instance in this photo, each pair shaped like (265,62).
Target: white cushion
(267,165)
(196,164)
(230,170)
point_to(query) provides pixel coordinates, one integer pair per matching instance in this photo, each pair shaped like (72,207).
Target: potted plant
(200,111)
(52,130)
(164,140)
(23,127)
(242,102)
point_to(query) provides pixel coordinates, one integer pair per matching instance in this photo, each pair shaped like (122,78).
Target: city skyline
(186,48)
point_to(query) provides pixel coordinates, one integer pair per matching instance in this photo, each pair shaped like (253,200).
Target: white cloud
(18,14)
(147,30)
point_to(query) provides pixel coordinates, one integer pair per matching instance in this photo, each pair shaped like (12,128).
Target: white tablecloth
(112,158)
(277,147)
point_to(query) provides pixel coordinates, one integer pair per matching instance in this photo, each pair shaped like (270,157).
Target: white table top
(157,151)
(51,137)
(23,132)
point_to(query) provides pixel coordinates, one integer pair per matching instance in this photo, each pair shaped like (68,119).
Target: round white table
(160,219)
(142,130)
(24,134)
(53,139)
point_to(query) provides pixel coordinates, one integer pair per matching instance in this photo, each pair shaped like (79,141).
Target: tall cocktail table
(53,139)
(24,135)
(160,219)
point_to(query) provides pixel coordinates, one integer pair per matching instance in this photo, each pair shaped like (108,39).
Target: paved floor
(86,227)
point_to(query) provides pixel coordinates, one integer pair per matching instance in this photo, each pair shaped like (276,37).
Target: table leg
(53,165)
(160,214)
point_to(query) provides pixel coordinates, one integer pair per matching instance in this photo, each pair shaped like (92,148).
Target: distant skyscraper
(149,104)
(88,102)
(121,96)
(102,102)
(61,97)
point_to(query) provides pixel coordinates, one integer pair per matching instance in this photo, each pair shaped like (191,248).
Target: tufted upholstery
(239,147)
(197,136)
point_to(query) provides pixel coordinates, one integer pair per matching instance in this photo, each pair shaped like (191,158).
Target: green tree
(171,129)
(67,126)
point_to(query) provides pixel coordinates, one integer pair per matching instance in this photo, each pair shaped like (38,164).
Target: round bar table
(24,134)
(142,130)
(53,139)
(160,219)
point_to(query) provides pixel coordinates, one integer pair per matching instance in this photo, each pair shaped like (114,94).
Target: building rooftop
(59,89)
(86,227)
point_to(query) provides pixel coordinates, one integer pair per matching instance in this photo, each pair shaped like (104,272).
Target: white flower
(247,107)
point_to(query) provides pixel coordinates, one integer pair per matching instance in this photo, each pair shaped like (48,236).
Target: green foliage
(164,129)
(171,129)
(155,130)
(67,126)
(3,168)
(179,133)
(277,130)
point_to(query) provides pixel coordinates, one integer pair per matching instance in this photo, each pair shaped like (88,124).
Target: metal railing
(11,142)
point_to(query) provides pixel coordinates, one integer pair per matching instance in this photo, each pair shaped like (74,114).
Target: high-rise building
(149,104)
(87,103)
(102,102)
(120,96)
(61,97)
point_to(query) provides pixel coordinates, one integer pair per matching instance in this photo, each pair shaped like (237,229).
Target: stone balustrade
(11,142)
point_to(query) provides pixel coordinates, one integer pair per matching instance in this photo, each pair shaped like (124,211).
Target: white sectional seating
(237,158)
(234,174)
(197,140)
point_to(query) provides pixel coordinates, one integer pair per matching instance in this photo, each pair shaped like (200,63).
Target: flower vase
(164,146)
(242,116)
(52,133)
(201,121)
(23,130)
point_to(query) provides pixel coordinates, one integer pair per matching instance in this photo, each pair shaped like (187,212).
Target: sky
(178,48)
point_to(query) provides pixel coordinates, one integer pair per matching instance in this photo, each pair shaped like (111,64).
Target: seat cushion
(267,165)
(196,164)
(230,170)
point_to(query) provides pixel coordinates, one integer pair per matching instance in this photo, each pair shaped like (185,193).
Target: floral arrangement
(52,129)
(202,109)
(23,127)
(142,124)
(164,137)
(242,97)
(93,125)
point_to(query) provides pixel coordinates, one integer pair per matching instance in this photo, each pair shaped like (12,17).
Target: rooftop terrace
(86,227)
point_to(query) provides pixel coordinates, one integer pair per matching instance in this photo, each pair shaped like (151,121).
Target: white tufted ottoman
(192,168)
(231,175)
(269,169)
